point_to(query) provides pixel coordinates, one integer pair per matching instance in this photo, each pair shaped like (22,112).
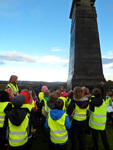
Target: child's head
(86,91)
(62,89)
(18,100)
(4,97)
(96,92)
(78,93)
(53,96)
(59,104)
(26,93)
(46,93)
(111,97)
(44,87)
(108,93)
(58,93)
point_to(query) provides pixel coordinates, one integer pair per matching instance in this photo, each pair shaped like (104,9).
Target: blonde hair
(78,93)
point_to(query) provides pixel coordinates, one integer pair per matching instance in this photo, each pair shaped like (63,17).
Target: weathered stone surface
(85,66)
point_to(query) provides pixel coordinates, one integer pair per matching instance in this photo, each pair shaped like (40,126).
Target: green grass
(38,143)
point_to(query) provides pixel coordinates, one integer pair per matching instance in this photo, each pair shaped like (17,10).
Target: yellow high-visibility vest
(80,114)
(41,96)
(18,135)
(2,113)
(58,132)
(64,100)
(13,88)
(98,117)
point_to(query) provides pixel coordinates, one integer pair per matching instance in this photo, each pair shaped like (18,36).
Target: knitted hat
(44,88)
(27,97)
(18,100)
(4,97)
(64,94)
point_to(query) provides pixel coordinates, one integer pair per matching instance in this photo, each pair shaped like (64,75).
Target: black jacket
(81,104)
(95,101)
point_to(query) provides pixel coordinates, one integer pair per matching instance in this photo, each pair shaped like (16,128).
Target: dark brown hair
(96,92)
(59,104)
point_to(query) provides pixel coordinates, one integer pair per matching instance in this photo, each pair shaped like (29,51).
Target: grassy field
(39,144)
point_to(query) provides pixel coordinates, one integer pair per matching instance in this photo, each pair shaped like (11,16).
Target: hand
(14,92)
(34,130)
(6,145)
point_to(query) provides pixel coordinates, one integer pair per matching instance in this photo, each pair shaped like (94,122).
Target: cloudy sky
(35,38)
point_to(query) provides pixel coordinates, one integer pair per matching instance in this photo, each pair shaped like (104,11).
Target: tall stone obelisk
(85,66)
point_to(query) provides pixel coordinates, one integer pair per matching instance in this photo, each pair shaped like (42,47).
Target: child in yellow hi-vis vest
(5,106)
(57,124)
(97,120)
(78,107)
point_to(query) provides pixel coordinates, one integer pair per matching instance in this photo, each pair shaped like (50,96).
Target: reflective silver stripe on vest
(61,131)
(80,115)
(47,109)
(97,123)
(2,122)
(42,108)
(58,138)
(1,117)
(11,87)
(17,133)
(17,140)
(98,116)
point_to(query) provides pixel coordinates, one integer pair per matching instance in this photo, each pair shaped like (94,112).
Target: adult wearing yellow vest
(97,120)
(5,106)
(57,124)
(78,107)
(12,84)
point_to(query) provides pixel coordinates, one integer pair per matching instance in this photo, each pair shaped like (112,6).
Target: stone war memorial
(85,65)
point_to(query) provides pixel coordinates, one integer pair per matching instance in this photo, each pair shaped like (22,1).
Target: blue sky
(35,38)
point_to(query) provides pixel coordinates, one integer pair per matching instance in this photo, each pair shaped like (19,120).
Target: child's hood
(18,100)
(56,114)
(17,115)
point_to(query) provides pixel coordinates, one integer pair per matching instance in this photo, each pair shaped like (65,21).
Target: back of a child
(58,123)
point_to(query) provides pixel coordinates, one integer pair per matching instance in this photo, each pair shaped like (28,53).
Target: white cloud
(107,60)
(18,58)
(15,57)
(53,60)
(108,76)
(108,66)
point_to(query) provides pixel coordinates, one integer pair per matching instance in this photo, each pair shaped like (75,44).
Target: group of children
(62,113)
